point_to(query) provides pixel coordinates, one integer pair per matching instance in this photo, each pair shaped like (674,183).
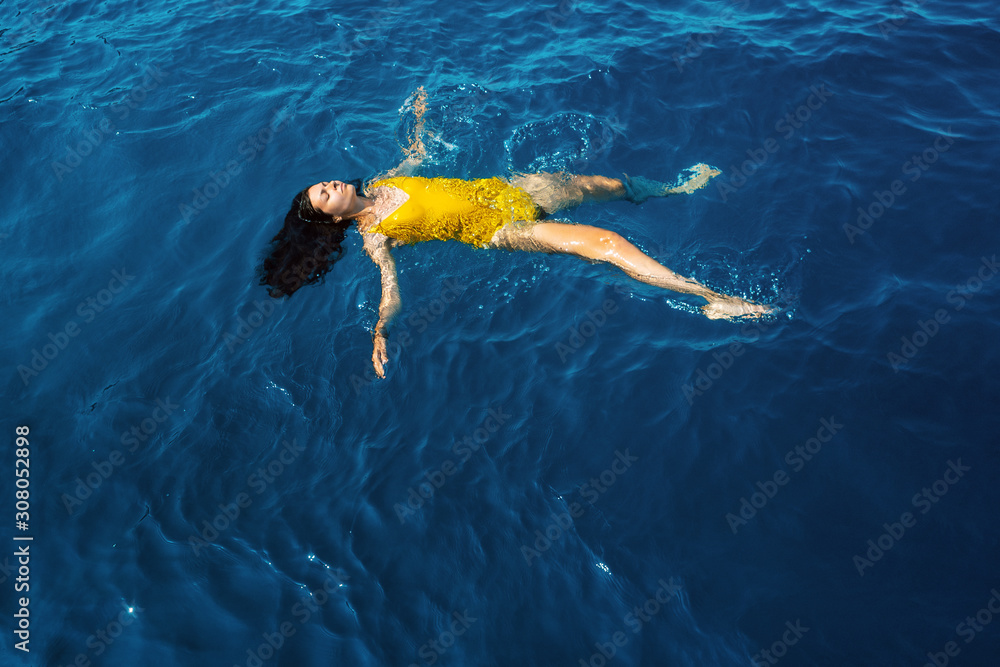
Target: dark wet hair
(305,249)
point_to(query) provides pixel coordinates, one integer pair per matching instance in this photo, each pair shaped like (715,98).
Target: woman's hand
(416,149)
(419,103)
(380,356)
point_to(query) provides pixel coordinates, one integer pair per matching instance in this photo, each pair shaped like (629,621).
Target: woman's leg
(555,192)
(598,244)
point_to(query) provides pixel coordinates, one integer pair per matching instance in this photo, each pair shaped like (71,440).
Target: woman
(490,213)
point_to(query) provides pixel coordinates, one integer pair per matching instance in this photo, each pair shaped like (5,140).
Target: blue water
(726,477)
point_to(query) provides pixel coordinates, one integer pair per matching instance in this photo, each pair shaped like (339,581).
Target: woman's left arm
(377,246)
(416,151)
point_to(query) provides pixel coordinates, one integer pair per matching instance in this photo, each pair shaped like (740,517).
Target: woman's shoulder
(385,191)
(388,197)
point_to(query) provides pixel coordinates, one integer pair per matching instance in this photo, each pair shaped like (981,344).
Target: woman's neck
(365,215)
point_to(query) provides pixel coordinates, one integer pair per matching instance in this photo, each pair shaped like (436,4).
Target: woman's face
(335,198)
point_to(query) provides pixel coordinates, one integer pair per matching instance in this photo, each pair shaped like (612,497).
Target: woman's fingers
(380,356)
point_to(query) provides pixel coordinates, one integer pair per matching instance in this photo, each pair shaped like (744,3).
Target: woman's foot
(638,189)
(734,308)
(696,178)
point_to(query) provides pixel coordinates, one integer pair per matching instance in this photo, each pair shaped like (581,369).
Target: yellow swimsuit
(450,208)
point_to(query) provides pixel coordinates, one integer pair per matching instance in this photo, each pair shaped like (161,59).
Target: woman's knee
(600,185)
(594,243)
(607,240)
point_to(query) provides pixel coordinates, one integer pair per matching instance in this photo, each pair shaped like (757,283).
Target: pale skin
(552,192)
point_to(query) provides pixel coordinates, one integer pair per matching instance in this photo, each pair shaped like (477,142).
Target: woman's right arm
(377,246)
